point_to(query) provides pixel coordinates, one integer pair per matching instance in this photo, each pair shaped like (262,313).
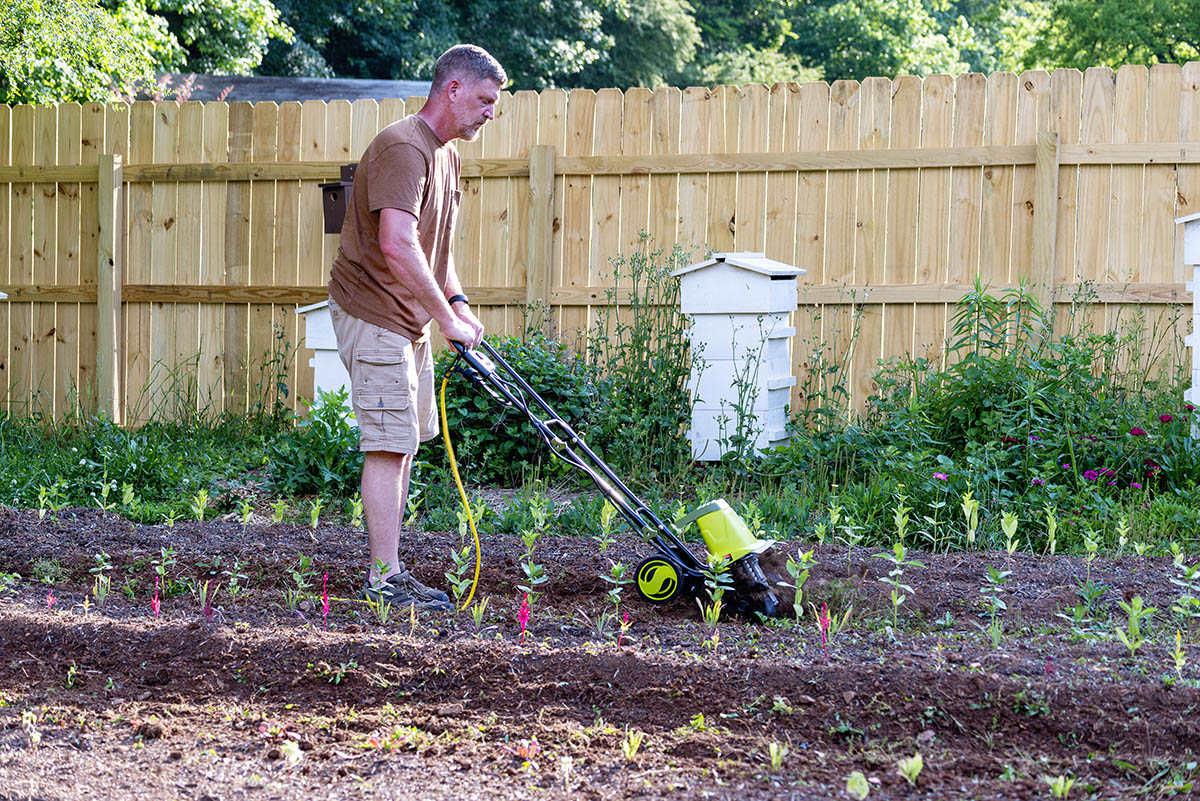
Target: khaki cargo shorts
(391,384)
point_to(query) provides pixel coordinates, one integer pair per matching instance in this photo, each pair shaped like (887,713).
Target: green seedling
(716,581)
(1140,548)
(314,513)
(894,579)
(478,610)
(1178,657)
(127,497)
(1122,534)
(72,676)
(857,786)
(608,521)
(776,753)
(617,578)
(535,574)
(170,517)
(1008,524)
(52,498)
(245,512)
(1187,607)
(199,506)
(233,581)
(278,510)
(851,536)
(460,576)
(1136,612)
(101,587)
(910,768)
(162,569)
(1083,615)
(900,518)
(1060,786)
(1051,529)
(992,590)
(835,517)
(1093,551)
(356,511)
(382,611)
(106,487)
(1176,554)
(632,743)
(798,570)
(970,510)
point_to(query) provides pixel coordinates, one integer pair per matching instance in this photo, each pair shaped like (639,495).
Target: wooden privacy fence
(156,253)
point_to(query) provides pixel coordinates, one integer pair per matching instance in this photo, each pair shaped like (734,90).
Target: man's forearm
(410,267)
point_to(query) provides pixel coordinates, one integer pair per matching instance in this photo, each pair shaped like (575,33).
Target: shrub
(497,444)
(1022,418)
(319,455)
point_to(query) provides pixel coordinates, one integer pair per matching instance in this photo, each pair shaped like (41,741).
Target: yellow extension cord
(462,493)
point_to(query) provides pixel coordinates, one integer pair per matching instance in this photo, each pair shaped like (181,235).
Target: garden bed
(255,700)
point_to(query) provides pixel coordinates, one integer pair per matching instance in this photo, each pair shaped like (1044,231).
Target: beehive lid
(312,307)
(746,260)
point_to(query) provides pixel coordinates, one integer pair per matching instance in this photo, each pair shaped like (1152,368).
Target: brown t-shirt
(405,167)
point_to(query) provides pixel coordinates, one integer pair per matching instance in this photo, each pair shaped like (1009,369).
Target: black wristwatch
(457,299)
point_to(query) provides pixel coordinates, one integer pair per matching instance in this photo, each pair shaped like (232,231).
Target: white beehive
(329,372)
(1191,258)
(739,305)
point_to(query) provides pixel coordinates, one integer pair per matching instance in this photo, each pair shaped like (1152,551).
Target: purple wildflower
(1165,418)
(941,476)
(1135,485)
(1038,482)
(1137,432)
(1091,475)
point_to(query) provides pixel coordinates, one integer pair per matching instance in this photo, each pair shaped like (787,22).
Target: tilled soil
(254,700)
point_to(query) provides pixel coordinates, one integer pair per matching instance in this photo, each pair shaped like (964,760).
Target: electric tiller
(674,570)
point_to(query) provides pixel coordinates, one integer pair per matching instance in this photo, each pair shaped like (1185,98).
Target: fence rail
(162,237)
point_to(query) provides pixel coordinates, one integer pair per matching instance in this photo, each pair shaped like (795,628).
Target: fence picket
(664,189)
(903,193)
(6,200)
(237,259)
(577,209)
(287,248)
(164,246)
(67,388)
(210,372)
(933,215)
(45,216)
(552,131)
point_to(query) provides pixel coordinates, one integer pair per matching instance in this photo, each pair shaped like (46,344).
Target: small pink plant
(155,603)
(1137,432)
(50,599)
(1165,418)
(523,616)
(624,627)
(325,601)
(823,623)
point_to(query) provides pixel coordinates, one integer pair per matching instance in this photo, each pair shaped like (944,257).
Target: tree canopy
(84,49)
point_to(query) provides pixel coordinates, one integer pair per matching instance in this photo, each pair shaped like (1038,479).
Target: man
(393,274)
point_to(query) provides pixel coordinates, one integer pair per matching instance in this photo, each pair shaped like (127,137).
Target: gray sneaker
(402,589)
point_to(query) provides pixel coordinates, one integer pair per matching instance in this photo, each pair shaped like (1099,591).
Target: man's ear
(453,88)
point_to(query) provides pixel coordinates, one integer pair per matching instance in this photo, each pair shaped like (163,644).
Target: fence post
(1045,218)
(539,274)
(108,291)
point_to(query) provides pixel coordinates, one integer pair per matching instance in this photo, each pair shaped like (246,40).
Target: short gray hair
(469,62)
